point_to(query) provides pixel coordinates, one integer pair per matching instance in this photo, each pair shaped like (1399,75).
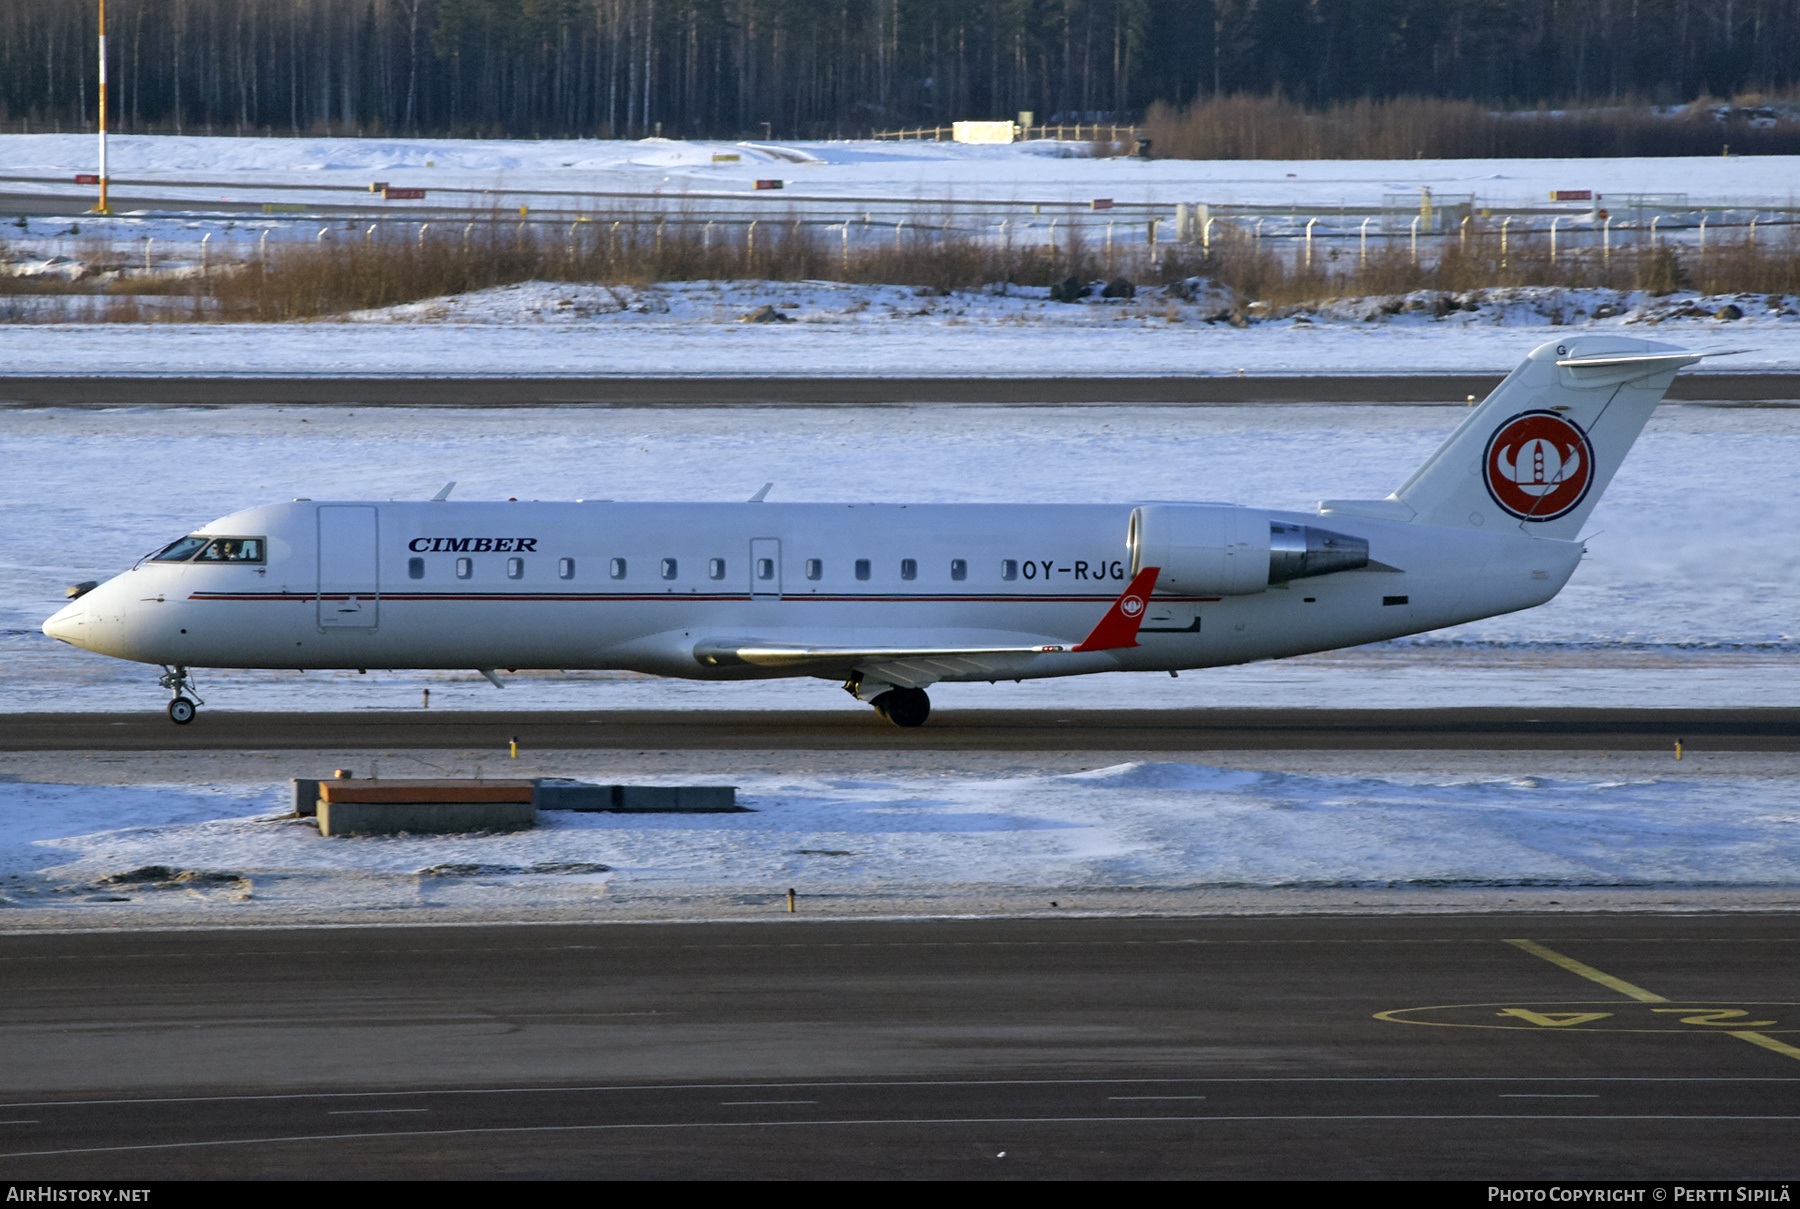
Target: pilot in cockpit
(232,550)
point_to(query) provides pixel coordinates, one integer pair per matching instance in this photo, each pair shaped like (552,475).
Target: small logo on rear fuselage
(1538,465)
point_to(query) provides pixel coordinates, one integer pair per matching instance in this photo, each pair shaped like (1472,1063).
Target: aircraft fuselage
(641,586)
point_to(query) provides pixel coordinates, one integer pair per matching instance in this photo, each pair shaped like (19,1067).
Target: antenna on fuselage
(444,492)
(761,493)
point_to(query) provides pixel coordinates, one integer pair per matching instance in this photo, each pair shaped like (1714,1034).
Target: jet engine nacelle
(1222,550)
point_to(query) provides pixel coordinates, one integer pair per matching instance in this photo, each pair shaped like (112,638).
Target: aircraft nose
(69,624)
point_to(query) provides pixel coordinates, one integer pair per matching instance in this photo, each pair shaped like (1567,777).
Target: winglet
(1119,627)
(443,492)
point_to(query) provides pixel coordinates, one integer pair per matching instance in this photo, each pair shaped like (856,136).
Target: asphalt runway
(1477,729)
(1425,1048)
(514,391)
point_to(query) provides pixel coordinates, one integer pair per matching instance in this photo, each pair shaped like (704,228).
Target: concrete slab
(639,799)
(391,818)
(435,789)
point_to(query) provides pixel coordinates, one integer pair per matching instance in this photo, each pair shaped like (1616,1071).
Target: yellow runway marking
(1639,993)
(1588,1016)
(1586,971)
(1780,1047)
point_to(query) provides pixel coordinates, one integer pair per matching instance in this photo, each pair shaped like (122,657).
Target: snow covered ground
(855,170)
(966,839)
(696,329)
(1020,195)
(841,330)
(1685,598)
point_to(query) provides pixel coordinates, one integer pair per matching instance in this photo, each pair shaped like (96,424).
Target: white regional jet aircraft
(890,598)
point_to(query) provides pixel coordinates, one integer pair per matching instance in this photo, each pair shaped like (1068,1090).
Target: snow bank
(1022,171)
(1133,825)
(697,329)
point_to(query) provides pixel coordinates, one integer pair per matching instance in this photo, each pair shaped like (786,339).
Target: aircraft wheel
(904,706)
(181,711)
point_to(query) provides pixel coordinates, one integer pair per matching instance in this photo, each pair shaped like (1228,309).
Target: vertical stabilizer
(1539,451)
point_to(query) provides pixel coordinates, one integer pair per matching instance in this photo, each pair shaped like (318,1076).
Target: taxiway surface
(1490,729)
(1525,1047)
(379,390)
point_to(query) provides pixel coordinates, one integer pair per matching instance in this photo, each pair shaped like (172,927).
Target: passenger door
(349,567)
(765,567)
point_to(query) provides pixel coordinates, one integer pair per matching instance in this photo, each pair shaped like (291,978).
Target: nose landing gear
(186,700)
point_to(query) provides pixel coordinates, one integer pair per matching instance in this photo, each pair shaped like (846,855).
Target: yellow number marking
(1717,1016)
(1554,1019)
(1642,996)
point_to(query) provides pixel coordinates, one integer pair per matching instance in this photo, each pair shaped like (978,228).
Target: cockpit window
(232,550)
(208,549)
(180,551)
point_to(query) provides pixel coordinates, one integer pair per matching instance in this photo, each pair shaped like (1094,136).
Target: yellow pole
(103,207)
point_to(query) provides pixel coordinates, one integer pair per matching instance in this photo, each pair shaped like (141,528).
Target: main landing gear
(901,706)
(904,706)
(185,701)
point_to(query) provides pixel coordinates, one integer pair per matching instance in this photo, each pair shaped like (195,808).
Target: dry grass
(309,280)
(299,281)
(1251,127)
(1767,264)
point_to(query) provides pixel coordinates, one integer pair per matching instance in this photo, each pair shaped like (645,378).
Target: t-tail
(1539,451)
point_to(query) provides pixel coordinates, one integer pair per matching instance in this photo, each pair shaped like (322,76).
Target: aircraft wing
(1115,630)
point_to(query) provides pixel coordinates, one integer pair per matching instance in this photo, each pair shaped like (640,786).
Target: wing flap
(727,653)
(1117,629)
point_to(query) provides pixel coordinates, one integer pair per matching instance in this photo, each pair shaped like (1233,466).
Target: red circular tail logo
(1131,606)
(1538,465)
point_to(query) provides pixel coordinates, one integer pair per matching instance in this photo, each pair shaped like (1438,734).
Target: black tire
(181,711)
(904,706)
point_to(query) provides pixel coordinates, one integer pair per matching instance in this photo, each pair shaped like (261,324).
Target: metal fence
(1067,132)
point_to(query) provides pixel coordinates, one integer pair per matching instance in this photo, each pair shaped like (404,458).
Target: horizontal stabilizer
(1650,361)
(1604,370)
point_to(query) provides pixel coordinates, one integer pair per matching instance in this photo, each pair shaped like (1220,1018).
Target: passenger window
(616,568)
(565,568)
(909,568)
(715,568)
(814,568)
(765,568)
(862,568)
(959,568)
(415,568)
(464,568)
(180,551)
(515,568)
(1009,568)
(668,568)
